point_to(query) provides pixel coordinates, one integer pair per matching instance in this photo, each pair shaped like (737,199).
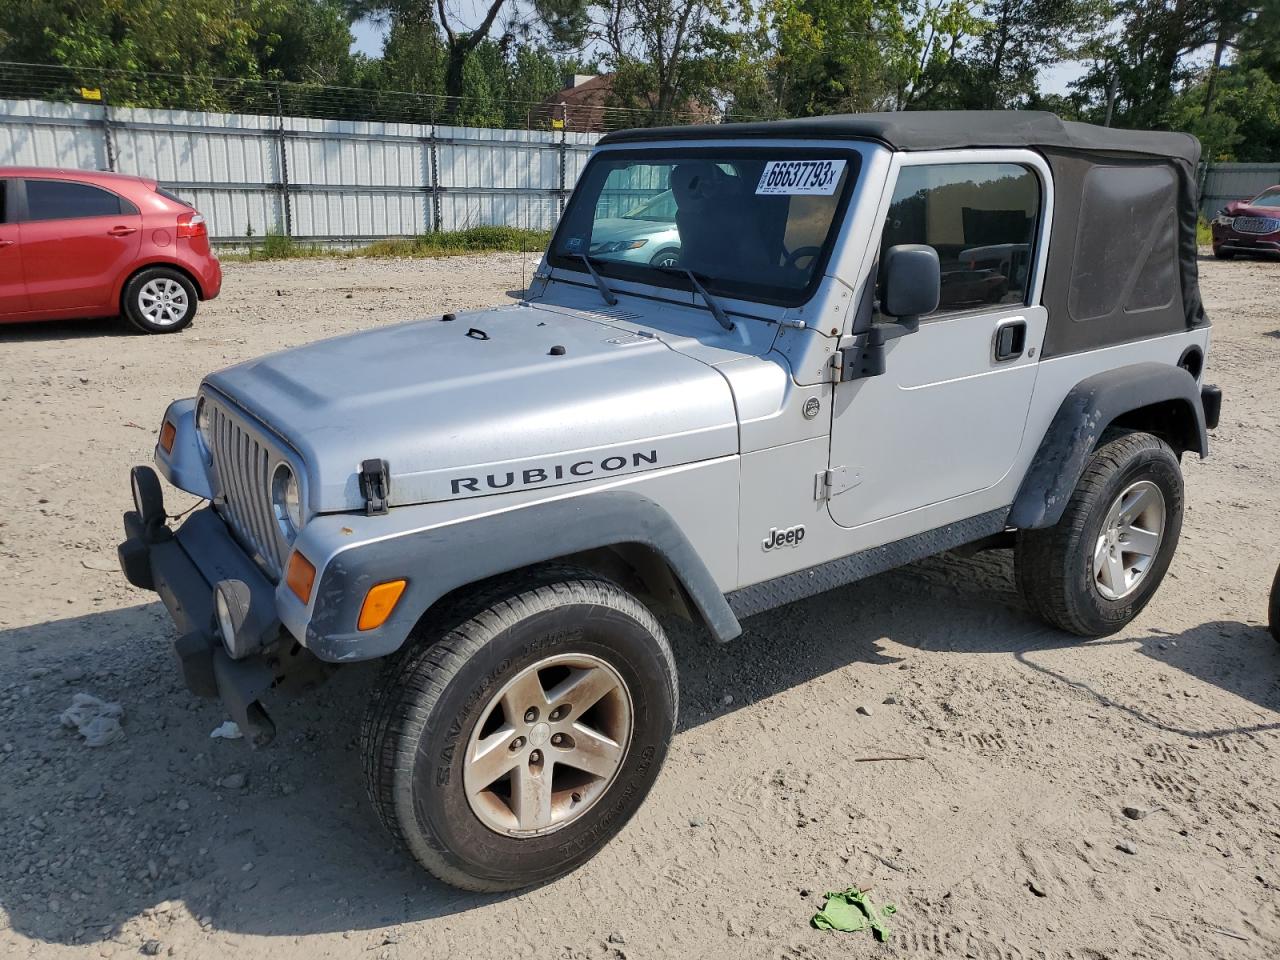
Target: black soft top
(939,130)
(1122,251)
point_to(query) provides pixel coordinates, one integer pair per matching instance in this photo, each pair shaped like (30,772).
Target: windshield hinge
(835,481)
(375,486)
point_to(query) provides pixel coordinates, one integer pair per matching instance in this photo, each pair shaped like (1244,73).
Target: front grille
(1259,225)
(243,463)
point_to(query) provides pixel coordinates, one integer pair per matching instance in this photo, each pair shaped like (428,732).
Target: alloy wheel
(163,301)
(1129,540)
(548,745)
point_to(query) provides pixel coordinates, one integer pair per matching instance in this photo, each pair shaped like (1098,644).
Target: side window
(980,217)
(66,199)
(4,201)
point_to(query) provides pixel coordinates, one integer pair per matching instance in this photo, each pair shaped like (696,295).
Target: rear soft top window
(751,223)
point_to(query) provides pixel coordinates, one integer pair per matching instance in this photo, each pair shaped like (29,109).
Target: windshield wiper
(603,287)
(717,311)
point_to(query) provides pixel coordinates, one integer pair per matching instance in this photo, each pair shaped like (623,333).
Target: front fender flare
(438,560)
(1089,408)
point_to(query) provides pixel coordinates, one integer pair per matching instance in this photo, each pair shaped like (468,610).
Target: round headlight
(286,501)
(202,425)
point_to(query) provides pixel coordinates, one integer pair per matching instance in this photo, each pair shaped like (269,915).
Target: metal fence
(321,179)
(309,178)
(1221,183)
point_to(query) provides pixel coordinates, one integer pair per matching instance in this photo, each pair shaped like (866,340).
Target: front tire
(521,728)
(1098,567)
(160,300)
(666,259)
(1224,254)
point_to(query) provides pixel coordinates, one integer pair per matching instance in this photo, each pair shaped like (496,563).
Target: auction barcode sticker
(814,178)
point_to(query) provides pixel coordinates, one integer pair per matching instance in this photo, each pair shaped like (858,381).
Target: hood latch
(375,486)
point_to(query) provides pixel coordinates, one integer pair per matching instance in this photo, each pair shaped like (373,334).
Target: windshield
(751,223)
(1268,198)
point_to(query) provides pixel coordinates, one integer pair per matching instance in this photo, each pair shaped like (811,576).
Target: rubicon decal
(554,473)
(788,537)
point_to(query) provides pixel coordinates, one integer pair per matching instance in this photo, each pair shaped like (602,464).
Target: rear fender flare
(1091,406)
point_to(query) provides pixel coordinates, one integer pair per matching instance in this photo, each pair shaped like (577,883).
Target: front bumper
(1227,239)
(183,566)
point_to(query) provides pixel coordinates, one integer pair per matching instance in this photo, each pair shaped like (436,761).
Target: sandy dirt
(1007,840)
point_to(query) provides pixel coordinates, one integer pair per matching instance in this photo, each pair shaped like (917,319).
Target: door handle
(5,243)
(1010,339)
(121,231)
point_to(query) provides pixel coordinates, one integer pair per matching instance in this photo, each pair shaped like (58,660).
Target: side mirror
(912,283)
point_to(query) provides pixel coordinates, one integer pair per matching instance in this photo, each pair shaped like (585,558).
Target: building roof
(940,130)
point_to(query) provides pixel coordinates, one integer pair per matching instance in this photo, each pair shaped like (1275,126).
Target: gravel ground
(1007,840)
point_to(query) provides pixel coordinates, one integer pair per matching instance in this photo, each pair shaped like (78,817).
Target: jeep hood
(494,401)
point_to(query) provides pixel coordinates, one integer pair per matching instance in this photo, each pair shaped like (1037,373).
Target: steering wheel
(801,253)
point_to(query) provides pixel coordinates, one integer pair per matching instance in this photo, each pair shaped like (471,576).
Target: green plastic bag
(850,911)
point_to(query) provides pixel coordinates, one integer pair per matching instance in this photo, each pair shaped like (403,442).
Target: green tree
(1233,105)
(825,56)
(214,53)
(998,67)
(562,21)
(1135,72)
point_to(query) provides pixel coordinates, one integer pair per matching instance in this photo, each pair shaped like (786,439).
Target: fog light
(231,611)
(226,629)
(148,498)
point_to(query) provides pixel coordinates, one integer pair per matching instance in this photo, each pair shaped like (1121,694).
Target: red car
(78,243)
(1248,226)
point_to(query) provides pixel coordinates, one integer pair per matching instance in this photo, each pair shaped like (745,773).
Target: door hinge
(833,482)
(857,358)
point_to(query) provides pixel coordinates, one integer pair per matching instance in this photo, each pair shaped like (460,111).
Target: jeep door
(944,422)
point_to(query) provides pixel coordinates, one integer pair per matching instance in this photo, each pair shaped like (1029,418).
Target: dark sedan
(1248,226)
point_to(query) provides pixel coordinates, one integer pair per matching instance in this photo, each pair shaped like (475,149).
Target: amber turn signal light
(301,576)
(168,432)
(379,602)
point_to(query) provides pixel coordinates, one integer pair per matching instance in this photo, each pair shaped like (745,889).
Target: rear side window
(981,219)
(1125,264)
(66,200)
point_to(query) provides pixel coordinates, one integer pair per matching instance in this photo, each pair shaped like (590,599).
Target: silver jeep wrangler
(883,336)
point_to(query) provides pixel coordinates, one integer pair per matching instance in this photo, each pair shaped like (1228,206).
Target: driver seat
(716,225)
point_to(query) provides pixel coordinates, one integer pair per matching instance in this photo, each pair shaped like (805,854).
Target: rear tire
(160,300)
(462,683)
(1078,575)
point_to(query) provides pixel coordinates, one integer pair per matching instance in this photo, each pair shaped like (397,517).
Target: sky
(367,36)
